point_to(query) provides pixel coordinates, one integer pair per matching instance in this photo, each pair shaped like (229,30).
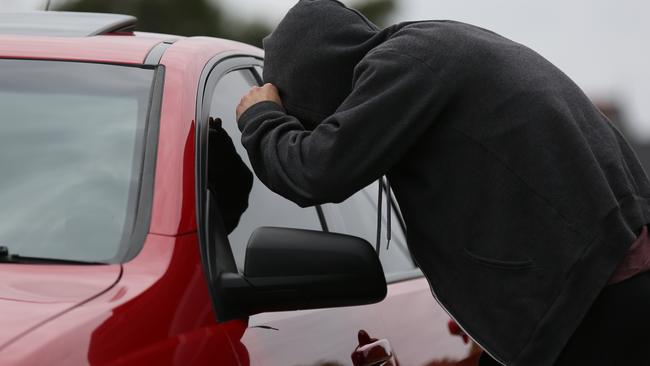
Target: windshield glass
(71,149)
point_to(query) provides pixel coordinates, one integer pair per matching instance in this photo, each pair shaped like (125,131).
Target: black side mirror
(292,269)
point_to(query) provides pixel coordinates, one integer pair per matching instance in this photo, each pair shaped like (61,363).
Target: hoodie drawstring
(380,199)
(389,209)
(379,202)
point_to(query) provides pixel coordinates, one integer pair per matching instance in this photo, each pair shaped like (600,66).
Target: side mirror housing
(293,269)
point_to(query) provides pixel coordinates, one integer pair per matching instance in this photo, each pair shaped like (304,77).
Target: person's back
(519,196)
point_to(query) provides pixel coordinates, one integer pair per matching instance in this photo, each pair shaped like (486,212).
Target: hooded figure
(519,196)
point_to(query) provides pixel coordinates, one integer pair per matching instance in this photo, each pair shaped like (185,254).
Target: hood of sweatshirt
(311,55)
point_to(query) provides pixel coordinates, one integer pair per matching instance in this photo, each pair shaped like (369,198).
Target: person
(521,200)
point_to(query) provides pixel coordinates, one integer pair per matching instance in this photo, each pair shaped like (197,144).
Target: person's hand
(266,92)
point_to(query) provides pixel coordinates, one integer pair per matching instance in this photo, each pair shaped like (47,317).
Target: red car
(121,241)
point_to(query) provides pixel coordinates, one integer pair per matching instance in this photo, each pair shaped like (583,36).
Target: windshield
(71,151)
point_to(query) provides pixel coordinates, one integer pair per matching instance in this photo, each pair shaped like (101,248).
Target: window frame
(406,275)
(216,253)
(215,250)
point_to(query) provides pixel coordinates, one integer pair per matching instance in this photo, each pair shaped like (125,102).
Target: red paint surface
(110,48)
(408,328)
(174,206)
(32,294)
(158,313)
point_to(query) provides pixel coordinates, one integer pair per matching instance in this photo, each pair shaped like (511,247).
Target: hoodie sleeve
(395,97)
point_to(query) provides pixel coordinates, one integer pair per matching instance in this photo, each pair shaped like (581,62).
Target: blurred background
(601,44)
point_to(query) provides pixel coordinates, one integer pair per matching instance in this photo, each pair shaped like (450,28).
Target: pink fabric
(637,259)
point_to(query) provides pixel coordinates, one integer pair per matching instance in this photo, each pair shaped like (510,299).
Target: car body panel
(158,313)
(409,322)
(32,294)
(315,337)
(417,327)
(174,210)
(125,49)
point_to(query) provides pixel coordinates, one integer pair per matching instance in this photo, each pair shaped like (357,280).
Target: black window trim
(216,256)
(217,260)
(148,171)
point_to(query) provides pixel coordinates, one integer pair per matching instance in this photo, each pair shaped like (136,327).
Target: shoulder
(381,62)
(413,46)
(443,42)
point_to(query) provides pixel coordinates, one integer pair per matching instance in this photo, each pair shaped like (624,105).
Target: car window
(71,152)
(265,208)
(358,216)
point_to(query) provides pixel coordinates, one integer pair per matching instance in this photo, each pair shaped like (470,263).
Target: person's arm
(394,99)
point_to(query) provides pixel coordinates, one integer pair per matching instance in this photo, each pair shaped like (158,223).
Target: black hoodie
(519,196)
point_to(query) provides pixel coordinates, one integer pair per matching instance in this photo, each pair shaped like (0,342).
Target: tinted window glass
(358,216)
(70,155)
(265,208)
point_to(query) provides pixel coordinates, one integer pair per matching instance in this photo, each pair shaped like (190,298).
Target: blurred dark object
(203,18)
(642,150)
(229,179)
(455,329)
(189,17)
(378,11)
(185,18)
(614,113)
(372,351)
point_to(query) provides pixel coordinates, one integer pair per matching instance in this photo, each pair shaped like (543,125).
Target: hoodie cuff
(257,110)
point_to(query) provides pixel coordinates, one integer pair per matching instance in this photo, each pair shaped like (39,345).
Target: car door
(416,327)
(408,321)
(311,337)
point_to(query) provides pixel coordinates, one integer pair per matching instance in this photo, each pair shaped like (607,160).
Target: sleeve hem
(256,110)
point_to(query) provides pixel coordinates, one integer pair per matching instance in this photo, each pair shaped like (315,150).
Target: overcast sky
(602,44)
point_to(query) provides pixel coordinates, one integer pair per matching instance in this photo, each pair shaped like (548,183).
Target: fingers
(244,102)
(240,110)
(270,87)
(266,92)
(272,93)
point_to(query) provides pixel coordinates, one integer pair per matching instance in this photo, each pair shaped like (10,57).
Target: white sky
(603,45)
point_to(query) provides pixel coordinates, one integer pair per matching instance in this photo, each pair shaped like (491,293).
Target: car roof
(64,24)
(94,37)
